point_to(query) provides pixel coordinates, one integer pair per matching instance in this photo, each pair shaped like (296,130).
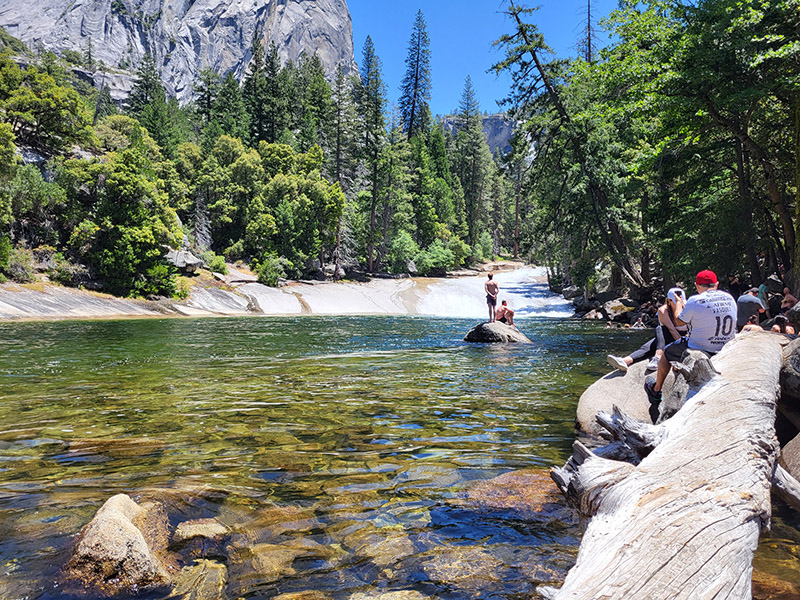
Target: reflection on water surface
(350,453)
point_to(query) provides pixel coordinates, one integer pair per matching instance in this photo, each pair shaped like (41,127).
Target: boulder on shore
(495,332)
(122,548)
(625,390)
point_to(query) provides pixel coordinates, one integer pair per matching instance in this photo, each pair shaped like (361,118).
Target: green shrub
(435,260)
(486,244)
(183,288)
(272,269)
(5,252)
(214,262)
(234,252)
(21,267)
(157,280)
(402,249)
(461,251)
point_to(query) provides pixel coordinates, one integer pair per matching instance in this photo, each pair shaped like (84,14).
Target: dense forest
(673,148)
(292,173)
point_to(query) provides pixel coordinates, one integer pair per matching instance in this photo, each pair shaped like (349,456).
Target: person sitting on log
(782,325)
(747,305)
(752,324)
(668,331)
(504,314)
(711,317)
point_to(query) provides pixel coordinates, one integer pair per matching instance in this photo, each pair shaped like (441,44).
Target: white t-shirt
(712,318)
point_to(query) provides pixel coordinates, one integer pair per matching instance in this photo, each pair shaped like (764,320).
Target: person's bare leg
(663,371)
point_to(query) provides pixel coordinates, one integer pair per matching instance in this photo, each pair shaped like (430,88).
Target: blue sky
(461,34)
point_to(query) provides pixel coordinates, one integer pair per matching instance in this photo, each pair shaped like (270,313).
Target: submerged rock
(528,494)
(397,595)
(122,548)
(469,567)
(211,529)
(495,332)
(204,580)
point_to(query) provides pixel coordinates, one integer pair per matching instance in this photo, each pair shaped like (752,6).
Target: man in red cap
(711,317)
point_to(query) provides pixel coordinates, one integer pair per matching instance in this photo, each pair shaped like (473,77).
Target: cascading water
(525,289)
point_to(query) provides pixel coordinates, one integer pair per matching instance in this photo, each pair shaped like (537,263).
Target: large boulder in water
(122,548)
(495,332)
(625,390)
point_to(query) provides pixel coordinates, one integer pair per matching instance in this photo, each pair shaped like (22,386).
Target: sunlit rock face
(185,36)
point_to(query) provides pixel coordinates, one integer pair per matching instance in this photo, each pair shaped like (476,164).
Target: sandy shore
(238,294)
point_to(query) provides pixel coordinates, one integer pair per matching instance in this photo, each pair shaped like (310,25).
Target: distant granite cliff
(498,129)
(184,36)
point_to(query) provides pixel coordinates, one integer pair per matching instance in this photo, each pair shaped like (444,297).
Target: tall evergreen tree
(254,92)
(415,89)
(316,103)
(343,130)
(206,90)
(230,110)
(473,161)
(372,101)
(147,86)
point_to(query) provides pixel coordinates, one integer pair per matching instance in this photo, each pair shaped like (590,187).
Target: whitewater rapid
(524,289)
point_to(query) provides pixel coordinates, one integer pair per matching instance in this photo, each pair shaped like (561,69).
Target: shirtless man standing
(492,290)
(504,314)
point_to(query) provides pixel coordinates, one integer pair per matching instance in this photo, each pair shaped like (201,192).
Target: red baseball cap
(706,278)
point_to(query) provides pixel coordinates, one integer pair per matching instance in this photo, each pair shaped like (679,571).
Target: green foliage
(435,260)
(214,262)
(415,89)
(5,253)
(21,266)
(183,288)
(73,56)
(13,44)
(272,269)
(34,202)
(403,250)
(44,113)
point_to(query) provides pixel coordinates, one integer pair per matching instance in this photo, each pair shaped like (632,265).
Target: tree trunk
(685,522)
(746,211)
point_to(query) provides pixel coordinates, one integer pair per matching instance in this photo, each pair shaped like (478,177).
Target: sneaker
(649,388)
(617,362)
(653,364)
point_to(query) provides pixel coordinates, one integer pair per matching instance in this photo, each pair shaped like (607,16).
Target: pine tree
(343,130)
(316,103)
(230,110)
(206,91)
(415,89)
(372,100)
(147,86)
(473,160)
(254,92)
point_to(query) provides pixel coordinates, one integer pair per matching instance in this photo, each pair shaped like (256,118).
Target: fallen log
(685,521)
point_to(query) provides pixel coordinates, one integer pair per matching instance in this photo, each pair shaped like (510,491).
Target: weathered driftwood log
(685,522)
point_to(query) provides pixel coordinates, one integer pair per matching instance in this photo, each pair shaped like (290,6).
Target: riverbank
(239,294)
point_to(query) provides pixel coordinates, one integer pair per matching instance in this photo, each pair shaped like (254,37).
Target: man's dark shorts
(490,300)
(674,351)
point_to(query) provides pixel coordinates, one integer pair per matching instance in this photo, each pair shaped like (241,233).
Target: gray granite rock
(184,37)
(495,333)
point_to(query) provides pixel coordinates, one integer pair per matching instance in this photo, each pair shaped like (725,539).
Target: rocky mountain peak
(184,36)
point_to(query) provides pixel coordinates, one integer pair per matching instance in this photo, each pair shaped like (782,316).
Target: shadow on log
(495,332)
(683,520)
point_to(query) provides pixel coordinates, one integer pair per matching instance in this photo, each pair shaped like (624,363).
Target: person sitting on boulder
(711,317)
(667,331)
(747,305)
(504,314)
(492,289)
(788,300)
(752,324)
(782,325)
